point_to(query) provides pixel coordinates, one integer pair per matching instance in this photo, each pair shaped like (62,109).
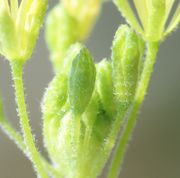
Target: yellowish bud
(85,12)
(19,27)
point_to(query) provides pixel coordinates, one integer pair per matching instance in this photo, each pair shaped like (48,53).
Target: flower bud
(56,94)
(126,54)
(60,34)
(53,109)
(81,81)
(104,85)
(19,27)
(58,119)
(85,12)
(153,15)
(33,23)
(73,92)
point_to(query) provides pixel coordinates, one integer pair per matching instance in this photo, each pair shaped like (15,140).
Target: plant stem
(13,135)
(17,70)
(132,117)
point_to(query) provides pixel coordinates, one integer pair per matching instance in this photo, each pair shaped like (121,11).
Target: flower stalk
(17,68)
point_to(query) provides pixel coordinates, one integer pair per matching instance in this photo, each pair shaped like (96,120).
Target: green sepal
(81,81)
(97,128)
(55,96)
(59,143)
(90,114)
(126,54)
(54,107)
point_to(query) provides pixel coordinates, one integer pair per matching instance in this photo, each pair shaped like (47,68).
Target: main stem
(117,161)
(17,71)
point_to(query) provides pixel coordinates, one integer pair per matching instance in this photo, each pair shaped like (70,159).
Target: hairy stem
(17,70)
(132,117)
(13,135)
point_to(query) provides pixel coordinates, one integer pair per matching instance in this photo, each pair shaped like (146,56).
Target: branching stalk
(17,70)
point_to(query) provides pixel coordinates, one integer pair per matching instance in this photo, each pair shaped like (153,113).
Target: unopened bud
(19,27)
(126,56)
(81,81)
(104,85)
(153,15)
(61,32)
(85,12)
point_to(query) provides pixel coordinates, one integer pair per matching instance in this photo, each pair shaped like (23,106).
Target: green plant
(86,104)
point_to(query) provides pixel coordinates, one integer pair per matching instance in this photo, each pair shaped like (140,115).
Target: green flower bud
(104,86)
(126,54)
(55,104)
(153,15)
(60,34)
(98,125)
(54,100)
(81,81)
(61,104)
(76,119)
(19,27)
(56,93)
(60,145)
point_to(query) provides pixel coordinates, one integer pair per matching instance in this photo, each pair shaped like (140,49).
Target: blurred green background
(154,151)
